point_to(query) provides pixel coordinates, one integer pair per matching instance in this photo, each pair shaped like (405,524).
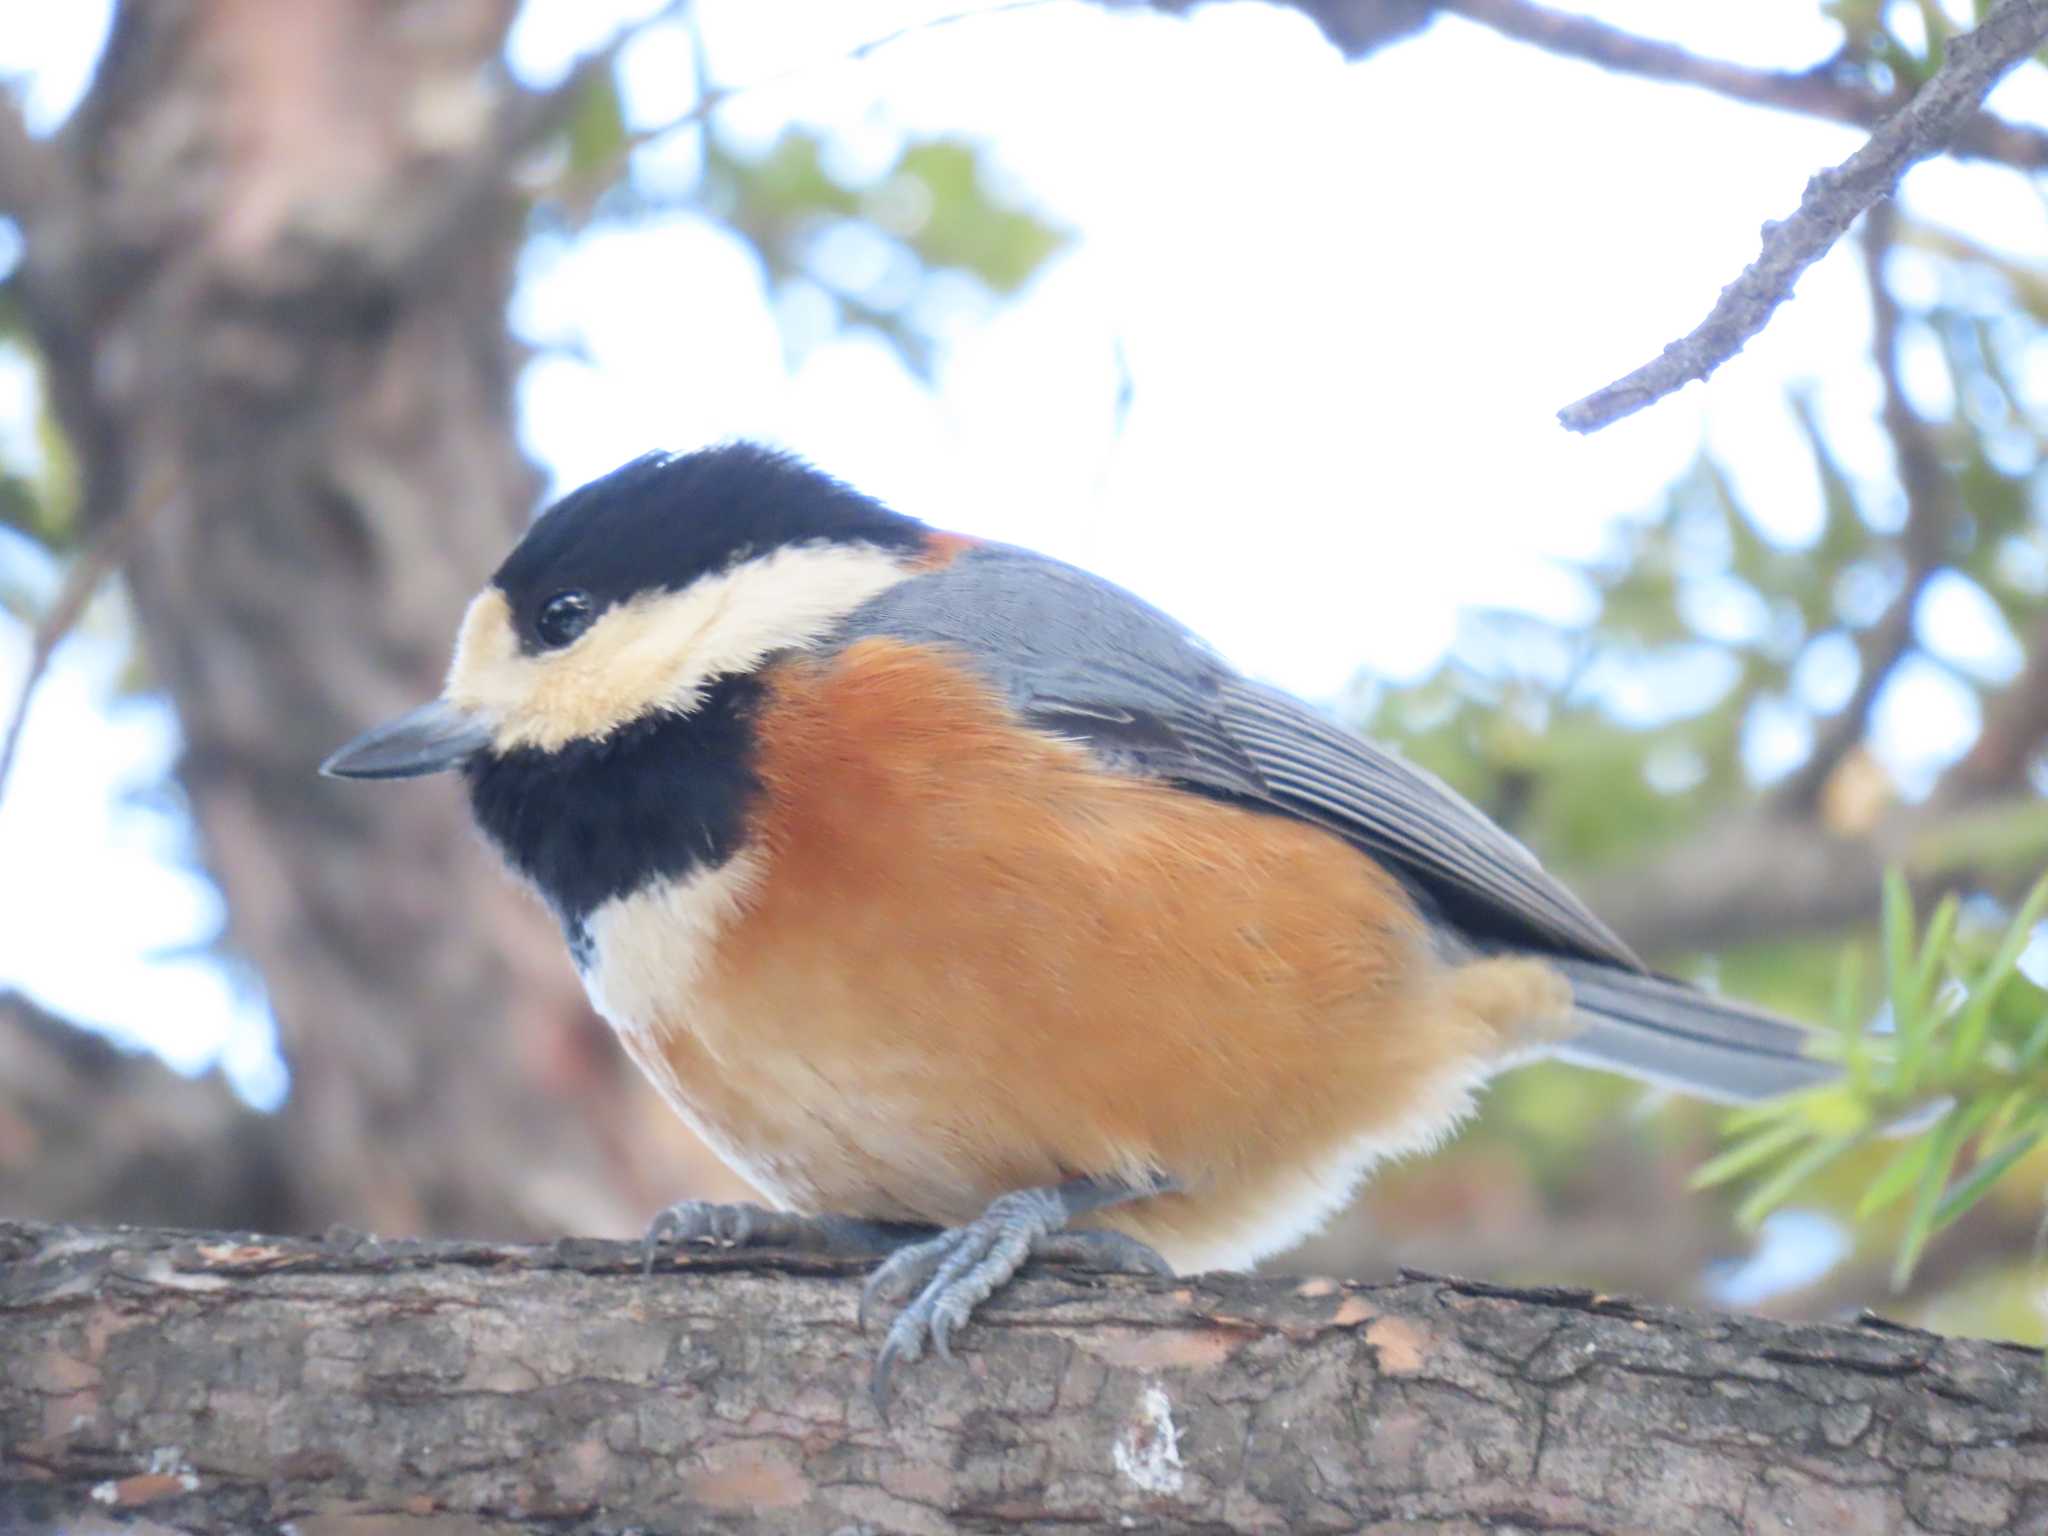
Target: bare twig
(1817,92)
(1833,199)
(1931,512)
(109,547)
(529,119)
(710,101)
(25,164)
(531,116)
(91,568)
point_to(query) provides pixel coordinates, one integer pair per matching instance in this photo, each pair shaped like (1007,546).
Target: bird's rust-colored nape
(941,549)
(968,960)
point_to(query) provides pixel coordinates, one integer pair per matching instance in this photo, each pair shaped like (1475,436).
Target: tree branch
(1931,512)
(2015,727)
(111,545)
(25,165)
(1833,199)
(710,99)
(1757,877)
(230,1384)
(92,567)
(1816,92)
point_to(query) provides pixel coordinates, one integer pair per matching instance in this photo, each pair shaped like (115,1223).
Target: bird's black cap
(662,521)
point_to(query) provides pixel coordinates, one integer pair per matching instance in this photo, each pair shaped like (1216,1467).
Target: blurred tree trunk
(86,1126)
(268,265)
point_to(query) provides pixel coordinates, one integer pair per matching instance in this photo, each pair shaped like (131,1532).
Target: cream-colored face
(658,652)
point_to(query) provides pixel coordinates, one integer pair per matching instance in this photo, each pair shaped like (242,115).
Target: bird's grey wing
(1082,658)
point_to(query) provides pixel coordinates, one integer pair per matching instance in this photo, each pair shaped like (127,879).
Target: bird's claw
(755,1226)
(953,1273)
(707,1222)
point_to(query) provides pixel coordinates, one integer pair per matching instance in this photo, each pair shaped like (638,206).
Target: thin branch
(710,101)
(932,24)
(109,547)
(531,116)
(25,164)
(1833,199)
(1931,512)
(1817,92)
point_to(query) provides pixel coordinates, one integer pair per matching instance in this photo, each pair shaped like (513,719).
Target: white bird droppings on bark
(1148,1451)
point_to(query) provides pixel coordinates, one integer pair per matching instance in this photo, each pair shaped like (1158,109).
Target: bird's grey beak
(429,739)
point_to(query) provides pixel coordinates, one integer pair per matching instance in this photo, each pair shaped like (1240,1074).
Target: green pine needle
(1984,1057)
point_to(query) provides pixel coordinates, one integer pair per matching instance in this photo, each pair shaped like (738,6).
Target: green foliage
(2000,1301)
(936,210)
(1602,736)
(596,144)
(1598,737)
(1967,1046)
(38,489)
(962,224)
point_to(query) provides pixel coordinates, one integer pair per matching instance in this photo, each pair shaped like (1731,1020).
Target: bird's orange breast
(959,957)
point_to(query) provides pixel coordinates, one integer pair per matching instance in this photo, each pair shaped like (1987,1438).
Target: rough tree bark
(217,1384)
(268,264)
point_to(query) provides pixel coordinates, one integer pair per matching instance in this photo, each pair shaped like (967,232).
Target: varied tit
(939,885)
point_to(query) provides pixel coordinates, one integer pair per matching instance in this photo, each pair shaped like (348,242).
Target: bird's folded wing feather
(1082,658)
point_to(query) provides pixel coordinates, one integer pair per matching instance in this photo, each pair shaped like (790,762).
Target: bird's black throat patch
(657,799)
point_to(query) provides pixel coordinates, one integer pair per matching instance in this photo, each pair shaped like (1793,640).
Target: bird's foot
(958,1269)
(755,1226)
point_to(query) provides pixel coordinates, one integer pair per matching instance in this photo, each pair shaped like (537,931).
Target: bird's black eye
(563,617)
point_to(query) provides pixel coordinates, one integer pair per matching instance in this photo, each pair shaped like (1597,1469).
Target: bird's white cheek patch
(659,651)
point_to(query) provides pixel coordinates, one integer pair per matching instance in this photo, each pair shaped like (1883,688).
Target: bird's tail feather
(1668,1033)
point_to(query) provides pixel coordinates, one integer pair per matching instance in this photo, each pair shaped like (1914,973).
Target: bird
(972,909)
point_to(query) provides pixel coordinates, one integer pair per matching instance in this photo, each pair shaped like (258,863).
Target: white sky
(1348,298)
